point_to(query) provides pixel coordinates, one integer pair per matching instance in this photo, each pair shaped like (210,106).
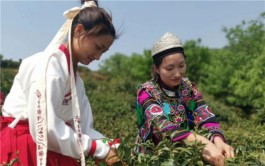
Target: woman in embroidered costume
(171,103)
(47,118)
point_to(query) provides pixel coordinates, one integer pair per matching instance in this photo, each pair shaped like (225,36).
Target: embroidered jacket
(176,111)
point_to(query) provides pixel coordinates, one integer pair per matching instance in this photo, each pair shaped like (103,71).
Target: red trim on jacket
(93,148)
(65,50)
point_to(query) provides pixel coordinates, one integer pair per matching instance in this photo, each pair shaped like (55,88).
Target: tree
(8,63)
(246,42)
(136,67)
(197,58)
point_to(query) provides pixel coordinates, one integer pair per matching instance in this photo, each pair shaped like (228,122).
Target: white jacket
(21,103)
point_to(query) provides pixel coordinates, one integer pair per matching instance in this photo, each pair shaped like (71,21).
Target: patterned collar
(170,92)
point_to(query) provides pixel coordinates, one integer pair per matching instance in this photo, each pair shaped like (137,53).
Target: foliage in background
(8,63)
(246,43)
(219,72)
(6,79)
(197,58)
(136,67)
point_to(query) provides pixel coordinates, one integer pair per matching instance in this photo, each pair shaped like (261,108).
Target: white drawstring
(14,123)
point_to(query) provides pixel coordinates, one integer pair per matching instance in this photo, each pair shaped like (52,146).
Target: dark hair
(158,58)
(95,20)
(83,1)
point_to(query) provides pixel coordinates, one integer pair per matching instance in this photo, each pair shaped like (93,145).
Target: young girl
(47,118)
(171,103)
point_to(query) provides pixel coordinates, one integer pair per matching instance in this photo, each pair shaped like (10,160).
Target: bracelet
(111,157)
(217,136)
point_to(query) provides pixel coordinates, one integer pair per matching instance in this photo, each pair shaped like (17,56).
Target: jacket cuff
(101,149)
(217,135)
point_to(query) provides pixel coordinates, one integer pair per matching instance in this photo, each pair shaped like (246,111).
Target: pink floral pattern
(202,114)
(156,110)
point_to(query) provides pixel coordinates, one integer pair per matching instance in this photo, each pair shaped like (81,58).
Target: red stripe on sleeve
(64,49)
(93,148)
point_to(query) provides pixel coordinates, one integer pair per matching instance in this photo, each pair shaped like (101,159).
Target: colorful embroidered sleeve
(203,116)
(156,122)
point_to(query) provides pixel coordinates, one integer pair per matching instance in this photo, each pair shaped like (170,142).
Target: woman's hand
(211,154)
(227,150)
(111,158)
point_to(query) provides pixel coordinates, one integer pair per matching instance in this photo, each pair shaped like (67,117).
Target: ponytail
(83,1)
(95,20)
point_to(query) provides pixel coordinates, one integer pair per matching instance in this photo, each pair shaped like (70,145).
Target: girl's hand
(111,158)
(227,150)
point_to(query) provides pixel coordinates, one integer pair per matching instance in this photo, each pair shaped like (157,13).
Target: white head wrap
(70,15)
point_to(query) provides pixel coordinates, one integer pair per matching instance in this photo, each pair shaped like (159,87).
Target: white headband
(70,15)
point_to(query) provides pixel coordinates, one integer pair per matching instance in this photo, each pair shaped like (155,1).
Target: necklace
(174,104)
